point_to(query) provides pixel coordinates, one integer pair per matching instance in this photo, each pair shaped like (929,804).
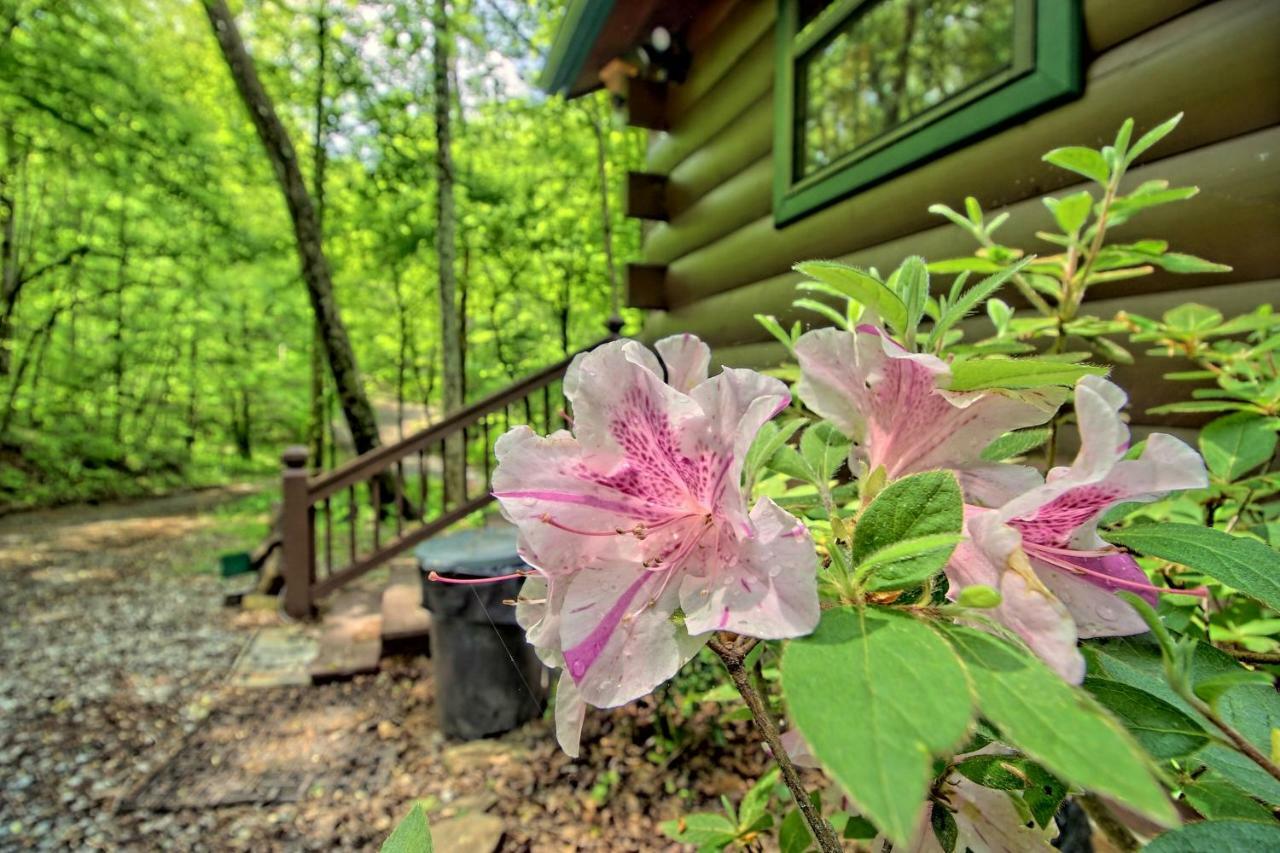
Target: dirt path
(120,731)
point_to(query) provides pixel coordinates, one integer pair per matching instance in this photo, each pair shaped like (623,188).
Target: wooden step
(406,624)
(350,637)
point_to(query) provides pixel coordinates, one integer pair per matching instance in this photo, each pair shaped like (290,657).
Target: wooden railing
(341,524)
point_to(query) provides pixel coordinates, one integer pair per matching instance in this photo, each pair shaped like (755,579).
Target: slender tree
(306,227)
(446,243)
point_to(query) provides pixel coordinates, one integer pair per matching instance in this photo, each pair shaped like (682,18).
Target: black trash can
(488,679)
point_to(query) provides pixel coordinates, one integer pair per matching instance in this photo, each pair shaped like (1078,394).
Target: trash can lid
(483,552)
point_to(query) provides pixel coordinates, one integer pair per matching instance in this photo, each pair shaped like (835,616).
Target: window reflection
(894,60)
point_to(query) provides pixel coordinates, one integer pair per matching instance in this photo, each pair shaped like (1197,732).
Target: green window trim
(1047,68)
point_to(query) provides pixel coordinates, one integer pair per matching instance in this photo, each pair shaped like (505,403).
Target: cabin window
(868,88)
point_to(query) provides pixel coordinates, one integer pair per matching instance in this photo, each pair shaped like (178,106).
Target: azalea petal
(798,749)
(993,556)
(538,612)
(686,358)
(736,404)
(893,403)
(548,486)
(621,405)
(991,484)
(1064,511)
(1095,608)
(571,711)
(988,822)
(767,590)
(617,634)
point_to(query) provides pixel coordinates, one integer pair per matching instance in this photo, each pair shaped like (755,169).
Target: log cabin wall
(718,257)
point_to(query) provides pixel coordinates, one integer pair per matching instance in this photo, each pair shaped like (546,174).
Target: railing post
(297,545)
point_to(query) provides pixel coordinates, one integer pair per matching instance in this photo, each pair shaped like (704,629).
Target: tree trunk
(8,245)
(315,420)
(306,227)
(600,126)
(446,249)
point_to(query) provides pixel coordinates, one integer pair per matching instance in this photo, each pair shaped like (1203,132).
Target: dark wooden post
(296,541)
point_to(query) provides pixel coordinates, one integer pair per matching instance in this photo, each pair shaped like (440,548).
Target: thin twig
(1245,656)
(733,657)
(1238,740)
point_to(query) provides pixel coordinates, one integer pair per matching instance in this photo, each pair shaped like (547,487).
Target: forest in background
(155,329)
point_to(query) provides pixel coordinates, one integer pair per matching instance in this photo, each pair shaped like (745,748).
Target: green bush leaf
(875,694)
(1013,444)
(978,374)
(1176,262)
(1070,211)
(861,287)
(793,834)
(1236,444)
(1162,729)
(915,507)
(1082,161)
(824,450)
(1057,725)
(705,829)
(1239,562)
(1151,137)
(770,437)
(1215,798)
(1252,709)
(1218,835)
(411,835)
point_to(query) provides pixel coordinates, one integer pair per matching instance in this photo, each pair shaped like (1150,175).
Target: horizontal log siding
(1234,220)
(1218,63)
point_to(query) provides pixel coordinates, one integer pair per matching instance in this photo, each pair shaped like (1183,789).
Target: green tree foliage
(154,329)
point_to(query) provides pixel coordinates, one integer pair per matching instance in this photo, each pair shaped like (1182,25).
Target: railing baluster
(352,518)
(376,486)
(328,538)
(486,450)
(444,493)
(422,487)
(546,409)
(399,497)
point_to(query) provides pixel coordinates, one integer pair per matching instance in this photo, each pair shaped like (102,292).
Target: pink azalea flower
(894,405)
(1041,548)
(638,513)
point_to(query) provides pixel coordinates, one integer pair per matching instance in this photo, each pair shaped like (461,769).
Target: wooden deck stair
(361,626)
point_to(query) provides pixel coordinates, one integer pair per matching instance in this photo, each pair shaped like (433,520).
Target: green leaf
(1071,211)
(921,505)
(1017,443)
(837,319)
(1252,709)
(972,264)
(1236,444)
(824,450)
(755,803)
(909,561)
(978,374)
(972,297)
(1239,562)
(1001,772)
(943,824)
(706,829)
(1162,729)
(1082,161)
(1215,798)
(1212,836)
(876,693)
(1151,137)
(774,328)
(863,288)
(1057,725)
(1213,689)
(787,460)
(770,437)
(411,835)
(1176,262)
(913,285)
(793,834)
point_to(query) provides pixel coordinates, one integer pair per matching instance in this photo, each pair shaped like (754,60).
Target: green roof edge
(581,26)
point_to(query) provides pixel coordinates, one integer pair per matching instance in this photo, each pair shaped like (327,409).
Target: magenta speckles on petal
(1054,522)
(580,657)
